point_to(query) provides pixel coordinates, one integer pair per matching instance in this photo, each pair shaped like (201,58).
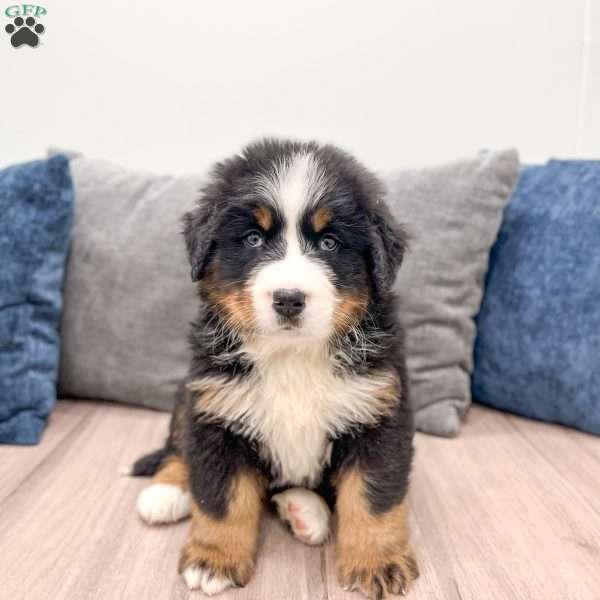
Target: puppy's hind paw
(306,513)
(163,503)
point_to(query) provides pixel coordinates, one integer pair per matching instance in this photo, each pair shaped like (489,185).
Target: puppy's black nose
(288,303)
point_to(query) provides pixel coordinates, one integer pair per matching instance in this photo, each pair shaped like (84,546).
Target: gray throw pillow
(453,213)
(128,297)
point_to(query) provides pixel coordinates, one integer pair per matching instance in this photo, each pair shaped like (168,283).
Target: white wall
(172,86)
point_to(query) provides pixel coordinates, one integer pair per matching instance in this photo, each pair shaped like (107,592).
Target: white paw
(163,503)
(306,512)
(202,579)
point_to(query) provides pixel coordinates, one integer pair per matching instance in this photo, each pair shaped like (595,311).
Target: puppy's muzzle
(288,303)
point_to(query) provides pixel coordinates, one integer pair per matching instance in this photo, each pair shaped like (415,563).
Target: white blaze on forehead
(294,186)
(295,195)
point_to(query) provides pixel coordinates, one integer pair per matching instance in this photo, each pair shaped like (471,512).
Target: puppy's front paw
(306,513)
(376,579)
(211,569)
(201,578)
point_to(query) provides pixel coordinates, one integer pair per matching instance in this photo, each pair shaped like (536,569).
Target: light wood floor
(510,510)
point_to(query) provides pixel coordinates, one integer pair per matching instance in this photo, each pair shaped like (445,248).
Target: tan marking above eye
(321,219)
(263,217)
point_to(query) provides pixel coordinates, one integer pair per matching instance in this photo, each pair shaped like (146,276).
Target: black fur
(215,454)
(148,465)
(371,248)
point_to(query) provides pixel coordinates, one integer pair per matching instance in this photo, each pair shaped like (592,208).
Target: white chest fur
(292,404)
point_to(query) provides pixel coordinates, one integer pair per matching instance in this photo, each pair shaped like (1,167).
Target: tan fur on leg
(174,471)
(225,549)
(372,550)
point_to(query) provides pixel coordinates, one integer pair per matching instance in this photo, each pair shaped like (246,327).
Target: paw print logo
(24,32)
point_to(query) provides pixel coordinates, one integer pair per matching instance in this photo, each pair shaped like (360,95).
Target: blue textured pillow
(537,351)
(36,209)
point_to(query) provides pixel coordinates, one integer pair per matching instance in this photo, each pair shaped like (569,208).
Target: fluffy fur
(297,378)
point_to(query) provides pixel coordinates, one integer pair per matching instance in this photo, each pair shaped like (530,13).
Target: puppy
(297,391)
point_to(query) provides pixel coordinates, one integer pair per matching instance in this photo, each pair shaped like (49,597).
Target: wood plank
(588,443)
(70,531)
(18,462)
(509,524)
(572,454)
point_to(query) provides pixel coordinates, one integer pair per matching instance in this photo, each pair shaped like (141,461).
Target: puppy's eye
(328,243)
(254,239)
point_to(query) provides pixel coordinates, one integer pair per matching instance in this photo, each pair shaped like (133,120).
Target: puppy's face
(291,242)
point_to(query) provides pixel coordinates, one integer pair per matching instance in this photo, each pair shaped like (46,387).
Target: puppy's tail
(147,465)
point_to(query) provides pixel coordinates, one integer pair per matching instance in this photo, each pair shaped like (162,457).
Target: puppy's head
(293,240)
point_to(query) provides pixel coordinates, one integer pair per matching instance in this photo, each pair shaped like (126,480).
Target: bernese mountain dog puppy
(297,393)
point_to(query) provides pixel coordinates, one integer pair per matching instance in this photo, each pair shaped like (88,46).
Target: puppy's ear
(199,229)
(388,244)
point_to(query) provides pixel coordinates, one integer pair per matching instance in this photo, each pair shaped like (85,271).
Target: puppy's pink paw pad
(306,513)
(298,524)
